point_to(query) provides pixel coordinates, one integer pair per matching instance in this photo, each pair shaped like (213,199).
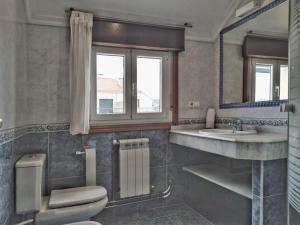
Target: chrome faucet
(236,125)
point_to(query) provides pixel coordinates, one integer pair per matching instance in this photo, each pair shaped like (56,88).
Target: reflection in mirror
(255,58)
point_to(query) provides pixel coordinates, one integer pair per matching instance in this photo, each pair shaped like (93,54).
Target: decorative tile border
(245,121)
(254,121)
(192,121)
(8,135)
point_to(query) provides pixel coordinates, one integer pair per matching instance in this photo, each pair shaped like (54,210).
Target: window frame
(127,84)
(131,116)
(282,63)
(276,75)
(165,85)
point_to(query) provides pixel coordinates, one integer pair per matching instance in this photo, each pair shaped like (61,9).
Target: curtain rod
(112,19)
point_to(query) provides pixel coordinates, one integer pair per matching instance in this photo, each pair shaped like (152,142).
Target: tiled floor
(176,215)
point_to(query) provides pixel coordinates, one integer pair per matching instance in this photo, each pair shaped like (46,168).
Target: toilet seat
(76,196)
(68,212)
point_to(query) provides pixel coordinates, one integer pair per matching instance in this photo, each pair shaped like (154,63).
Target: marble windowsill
(260,146)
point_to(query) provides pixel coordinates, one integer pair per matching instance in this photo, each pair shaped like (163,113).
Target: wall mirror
(254,58)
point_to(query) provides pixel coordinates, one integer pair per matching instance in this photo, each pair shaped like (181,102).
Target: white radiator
(134,167)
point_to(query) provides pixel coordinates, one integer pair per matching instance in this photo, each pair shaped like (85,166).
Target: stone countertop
(260,146)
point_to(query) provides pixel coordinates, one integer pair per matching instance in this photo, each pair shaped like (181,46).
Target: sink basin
(225,131)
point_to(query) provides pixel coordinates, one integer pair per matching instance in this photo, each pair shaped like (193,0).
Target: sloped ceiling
(274,22)
(206,16)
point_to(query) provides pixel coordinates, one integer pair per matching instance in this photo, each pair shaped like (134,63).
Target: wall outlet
(193,104)
(196,104)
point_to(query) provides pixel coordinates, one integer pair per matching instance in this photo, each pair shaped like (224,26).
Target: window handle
(277,90)
(133,89)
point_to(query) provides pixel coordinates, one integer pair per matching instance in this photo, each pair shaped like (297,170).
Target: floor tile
(174,215)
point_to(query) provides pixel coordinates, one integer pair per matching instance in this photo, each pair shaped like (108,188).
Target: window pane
(284,82)
(263,82)
(149,79)
(110,84)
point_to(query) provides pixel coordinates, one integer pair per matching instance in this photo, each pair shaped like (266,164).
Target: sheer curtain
(80,56)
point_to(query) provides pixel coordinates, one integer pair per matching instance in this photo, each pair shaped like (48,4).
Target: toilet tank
(30,176)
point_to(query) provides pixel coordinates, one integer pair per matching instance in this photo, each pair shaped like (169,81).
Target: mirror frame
(240,22)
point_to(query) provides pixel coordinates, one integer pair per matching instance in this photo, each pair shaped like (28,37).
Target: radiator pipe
(163,195)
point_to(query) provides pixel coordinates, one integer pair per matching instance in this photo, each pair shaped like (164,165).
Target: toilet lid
(76,196)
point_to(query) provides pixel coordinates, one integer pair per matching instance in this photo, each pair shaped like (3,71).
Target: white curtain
(80,64)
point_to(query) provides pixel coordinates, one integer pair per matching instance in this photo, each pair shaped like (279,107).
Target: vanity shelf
(239,183)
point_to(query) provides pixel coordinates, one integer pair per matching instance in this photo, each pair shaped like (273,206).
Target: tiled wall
(48,77)
(6,182)
(65,169)
(196,73)
(12,62)
(48,87)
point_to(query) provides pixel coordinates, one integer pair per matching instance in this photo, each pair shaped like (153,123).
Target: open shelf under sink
(240,183)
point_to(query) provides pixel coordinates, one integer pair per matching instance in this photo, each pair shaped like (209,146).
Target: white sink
(225,131)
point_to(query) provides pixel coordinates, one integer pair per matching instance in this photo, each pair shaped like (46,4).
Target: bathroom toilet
(62,206)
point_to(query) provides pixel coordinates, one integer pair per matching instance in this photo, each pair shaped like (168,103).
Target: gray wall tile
(63,160)
(31,144)
(158,179)
(6,181)
(294,216)
(275,210)
(104,151)
(220,206)
(275,177)
(158,143)
(105,180)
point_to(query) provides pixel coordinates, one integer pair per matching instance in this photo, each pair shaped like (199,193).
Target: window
(110,83)
(130,85)
(284,82)
(270,79)
(263,82)
(149,79)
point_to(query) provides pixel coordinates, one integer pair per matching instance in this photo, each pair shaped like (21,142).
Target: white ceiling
(206,16)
